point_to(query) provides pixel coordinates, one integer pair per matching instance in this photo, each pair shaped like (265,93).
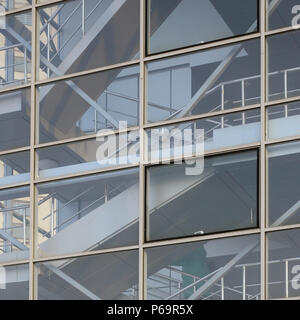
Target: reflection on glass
(88,155)
(15,49)
(284,183)
(112,276)
(224,269)
(6,5)
(284,65)
(211,80)
(222,197)
(89,103)
(229,130)
(283,264)
(80,35)
(14,168)
(14,224)
(283,120)
(88,213)
(14,119)
(203,21)
(14,282)
(281,13)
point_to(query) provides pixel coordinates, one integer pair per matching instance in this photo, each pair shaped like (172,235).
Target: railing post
(25,64)
(243,101)
(222,289)
(285,93)
(48,47)
(83,17)
(24,226)
(244,282)
(222,105)
(286,278)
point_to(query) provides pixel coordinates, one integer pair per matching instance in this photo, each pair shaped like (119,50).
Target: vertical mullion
(32,282)
(142,179)
(262,182)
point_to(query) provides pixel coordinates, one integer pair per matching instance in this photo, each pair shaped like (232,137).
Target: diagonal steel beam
(6,236)
(219,70)
(70,83)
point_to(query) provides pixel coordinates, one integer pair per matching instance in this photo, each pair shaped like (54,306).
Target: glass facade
(149,149)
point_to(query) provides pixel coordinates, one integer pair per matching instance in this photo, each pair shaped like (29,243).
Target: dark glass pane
(180,23)
(223,197)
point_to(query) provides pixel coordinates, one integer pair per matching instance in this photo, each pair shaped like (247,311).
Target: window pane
(284,66)
(283,264)
(6,5)
(284,183)
(283,120)
(204,21)
(88,213)
(112,276)
(281,14)
(14,282)
(89,103)
(208,270)
(14,224)
(14,168)
(211,80)
(207,134)
(88,155)
(14,119)
(74,39)
(223,197)
(15,49)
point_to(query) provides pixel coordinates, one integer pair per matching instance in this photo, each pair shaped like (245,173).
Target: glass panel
(283,264)
(14,224)
(6,5)
(15,49)
(80,35)
(283,120)
(89,103)
(112,276)
(284,66)
(204,21)
(210,80)
(224,269)
(14,282)
(14,168)
(284,183)
(281,13)
(14,119)
(88,155)
(88,213)
(220,197)
(184,139)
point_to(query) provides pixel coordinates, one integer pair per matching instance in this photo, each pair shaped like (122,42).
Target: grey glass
(14,282)
(283,65)
(112,276)
(14,119)
(14,168)
(6,5)
(87,104)
(80,35)
(203,21)
(283,120)
(206,81)
(283,264)
(14,224)
(192,138)
(15,49)
(88,213)
(223,196)
(89,155)
(224,269)
(281,13)
(283,183)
